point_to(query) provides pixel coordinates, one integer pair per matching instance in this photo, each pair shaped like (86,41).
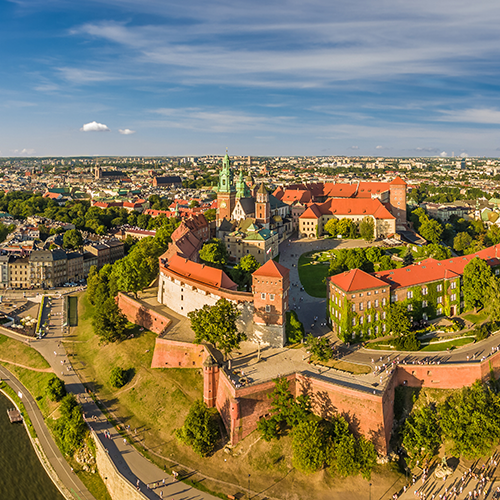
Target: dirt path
(42,370)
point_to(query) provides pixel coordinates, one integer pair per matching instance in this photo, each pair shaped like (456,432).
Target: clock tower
(226,193)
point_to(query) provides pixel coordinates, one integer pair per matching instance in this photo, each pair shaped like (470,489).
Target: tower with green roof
(242,190)
(226,192)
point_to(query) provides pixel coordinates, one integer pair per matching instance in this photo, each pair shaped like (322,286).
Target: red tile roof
(356,279)
(433,270)
(205,275)
(349,206)
(398,181)
(272,269)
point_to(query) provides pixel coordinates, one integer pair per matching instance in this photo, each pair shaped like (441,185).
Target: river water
(22,476)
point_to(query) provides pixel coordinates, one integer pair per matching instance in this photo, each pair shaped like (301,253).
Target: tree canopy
(398,319)
(72,239)
(214,253)
(108,322)
(367,229)
(217,324)
(200,429)
(476,280)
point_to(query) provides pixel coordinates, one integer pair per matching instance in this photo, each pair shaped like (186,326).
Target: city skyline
(117,77)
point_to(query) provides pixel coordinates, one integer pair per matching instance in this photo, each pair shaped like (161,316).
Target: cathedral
(250,220)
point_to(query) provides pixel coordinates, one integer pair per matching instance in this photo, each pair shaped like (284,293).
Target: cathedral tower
(226,193)
(262,207)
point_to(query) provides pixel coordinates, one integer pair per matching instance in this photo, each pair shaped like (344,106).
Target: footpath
(133,466)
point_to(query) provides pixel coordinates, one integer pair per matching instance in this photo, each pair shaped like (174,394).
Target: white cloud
(379,147)
(354,147)
(94,127)
(23,152)
(126,131)
(480,115)
(443,154)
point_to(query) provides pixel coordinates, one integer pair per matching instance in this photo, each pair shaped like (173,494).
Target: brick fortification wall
(140,315)
(368,414)
(172,354)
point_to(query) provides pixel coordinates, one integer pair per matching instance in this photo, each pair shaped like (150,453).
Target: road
(54,456)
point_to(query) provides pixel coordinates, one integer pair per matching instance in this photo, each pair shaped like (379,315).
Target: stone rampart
(173,354)
(142,315)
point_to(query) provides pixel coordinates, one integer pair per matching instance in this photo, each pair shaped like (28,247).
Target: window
(425,290)
(361,306)
(440,300)
(425,316)
(376,302)
(383,315)
(361,320)
(439,288)
(369,318)
(497,271)
(383,327)
(383,301)
(353,307)
(424,303)
(377,316)
(410,307)
(393,297)
(453,296)
(271,296)
(268,309)
(369,304)
(439,311)
(353,296)
(353,321)
(453,285)
(370,332)
(409,294)
(376,330)
(361,295)
(263,296)
(368,293)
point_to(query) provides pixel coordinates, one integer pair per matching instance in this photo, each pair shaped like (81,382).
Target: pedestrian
(124,441)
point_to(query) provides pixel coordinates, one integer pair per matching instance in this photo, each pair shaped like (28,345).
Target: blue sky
(192,77)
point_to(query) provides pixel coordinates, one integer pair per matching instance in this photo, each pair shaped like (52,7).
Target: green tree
(462,241)
(118,377)
(72,239)
(374,254)
(398,319)
(56,389)
(470,420)
(319,347)
(492,298)
(70,429)
(431,230)
(311,445)
(331,227)
(386,263)
(217,324)
(108,322)
(214,253)
(367,229)
(408,257)
(421,435)
(249,263)
(294,328)
(200,429)
(132,273)
(210,214)
(476,279)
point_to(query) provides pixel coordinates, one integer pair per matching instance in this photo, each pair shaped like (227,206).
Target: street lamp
(370,491)
(248,486)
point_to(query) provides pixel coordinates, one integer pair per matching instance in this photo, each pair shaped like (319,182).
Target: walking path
(50,449)
(131,464)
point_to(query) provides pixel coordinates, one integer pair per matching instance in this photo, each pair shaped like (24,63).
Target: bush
(482,332)
(200,429)
(294,328)
(55,389)
(70,429)
(319,348)
(118,377)
(407,342)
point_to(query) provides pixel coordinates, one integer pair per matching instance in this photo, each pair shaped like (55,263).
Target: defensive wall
(369,412)
(173,354)
(141,314)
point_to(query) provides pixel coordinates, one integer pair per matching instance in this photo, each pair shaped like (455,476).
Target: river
(22,476)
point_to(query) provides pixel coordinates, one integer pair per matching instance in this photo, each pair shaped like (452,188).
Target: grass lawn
(19,352)
(442,346)
(73,310)
(345,366)
(476,318)
(312,274)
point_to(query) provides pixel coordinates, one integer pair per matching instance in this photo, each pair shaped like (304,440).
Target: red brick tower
(210,381)
(262,207)
(226,193)
(270,288)
(398,202)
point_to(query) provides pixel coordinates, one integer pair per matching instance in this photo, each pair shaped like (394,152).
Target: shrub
(319,348)
(407,342)
(55,389)
(482,331)
(294,328)
(118,377)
